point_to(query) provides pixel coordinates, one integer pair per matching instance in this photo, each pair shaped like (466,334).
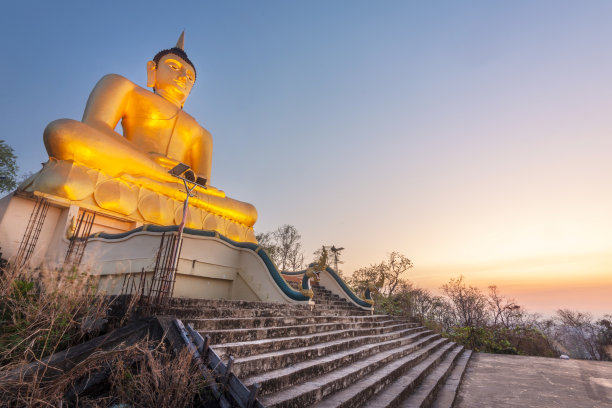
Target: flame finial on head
(178,50)
(181,41)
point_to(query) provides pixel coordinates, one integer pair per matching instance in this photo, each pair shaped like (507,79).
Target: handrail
(239,393)
(340,282)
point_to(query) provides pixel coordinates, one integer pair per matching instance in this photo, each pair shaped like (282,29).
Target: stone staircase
(336,355)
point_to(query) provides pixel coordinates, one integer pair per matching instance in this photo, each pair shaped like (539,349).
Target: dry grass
(141,375)
(158,379)
(44,311)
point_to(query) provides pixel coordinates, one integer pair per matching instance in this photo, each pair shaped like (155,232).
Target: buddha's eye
(190,76)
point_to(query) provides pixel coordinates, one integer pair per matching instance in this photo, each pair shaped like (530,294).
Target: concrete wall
(208,268)
(52,243)
(15,212)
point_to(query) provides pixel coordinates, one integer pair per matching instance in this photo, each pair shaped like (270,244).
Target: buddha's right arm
(107,103)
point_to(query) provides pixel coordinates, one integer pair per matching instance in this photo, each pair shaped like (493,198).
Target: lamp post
(336,252)
(183,172)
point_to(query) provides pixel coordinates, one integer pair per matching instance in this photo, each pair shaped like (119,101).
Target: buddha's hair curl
(178,52)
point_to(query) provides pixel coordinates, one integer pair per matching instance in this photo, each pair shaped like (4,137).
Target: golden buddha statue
(90,163)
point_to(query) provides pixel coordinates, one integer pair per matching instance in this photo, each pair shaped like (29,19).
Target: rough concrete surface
(516,381)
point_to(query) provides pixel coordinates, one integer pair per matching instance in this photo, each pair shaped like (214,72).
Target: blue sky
(474,137)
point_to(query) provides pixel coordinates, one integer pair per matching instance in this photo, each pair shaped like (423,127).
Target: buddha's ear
(151,70)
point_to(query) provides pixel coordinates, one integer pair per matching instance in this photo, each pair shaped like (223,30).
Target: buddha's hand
(162,160)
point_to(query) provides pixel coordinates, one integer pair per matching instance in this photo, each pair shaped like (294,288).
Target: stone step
(326,295)
(238,335)
(330,354)
(323,292)
(419,383)
(341,302)
(448,390)
(391,362)
(321,300)
(249,348)
(335,306)
(343,312)
(257,364)
(185,312)
(276,380)
(425,393)
(319,292)
(276,321)
(243,304)
(199,312)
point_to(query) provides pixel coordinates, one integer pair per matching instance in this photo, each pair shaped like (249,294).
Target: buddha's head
(171,74)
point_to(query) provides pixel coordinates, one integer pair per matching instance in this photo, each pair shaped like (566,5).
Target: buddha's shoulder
(116,81)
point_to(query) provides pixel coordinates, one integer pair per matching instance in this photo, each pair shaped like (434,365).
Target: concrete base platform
(516,381)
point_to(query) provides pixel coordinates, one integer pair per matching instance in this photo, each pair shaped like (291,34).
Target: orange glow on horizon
(541,284)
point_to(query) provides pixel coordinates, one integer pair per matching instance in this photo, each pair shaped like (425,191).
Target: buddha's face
(172,78)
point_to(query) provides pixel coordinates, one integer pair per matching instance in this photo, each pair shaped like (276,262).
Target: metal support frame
(78,242)
(162,283)
(31,233)
(182,172)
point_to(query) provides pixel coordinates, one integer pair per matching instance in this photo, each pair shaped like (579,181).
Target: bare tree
(422,301)
(392,269)
(284,247)
(577,332)
(289,247)
(604,338)
(387,275)
(468,302)
(362,277)
(441,313)
(267,242)
(504,311)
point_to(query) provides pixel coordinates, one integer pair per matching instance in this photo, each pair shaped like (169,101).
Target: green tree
(8,167)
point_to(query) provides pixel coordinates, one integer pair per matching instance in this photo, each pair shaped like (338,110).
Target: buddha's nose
(182,77)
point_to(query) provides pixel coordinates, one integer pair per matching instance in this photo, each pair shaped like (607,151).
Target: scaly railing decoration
(349,293)
(367,293)
(306,288)
(312,274)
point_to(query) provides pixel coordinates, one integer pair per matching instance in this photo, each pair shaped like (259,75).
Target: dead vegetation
(158,379)
(44,312)
(143,375)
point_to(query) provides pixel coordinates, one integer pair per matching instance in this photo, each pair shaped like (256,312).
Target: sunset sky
(474,137)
